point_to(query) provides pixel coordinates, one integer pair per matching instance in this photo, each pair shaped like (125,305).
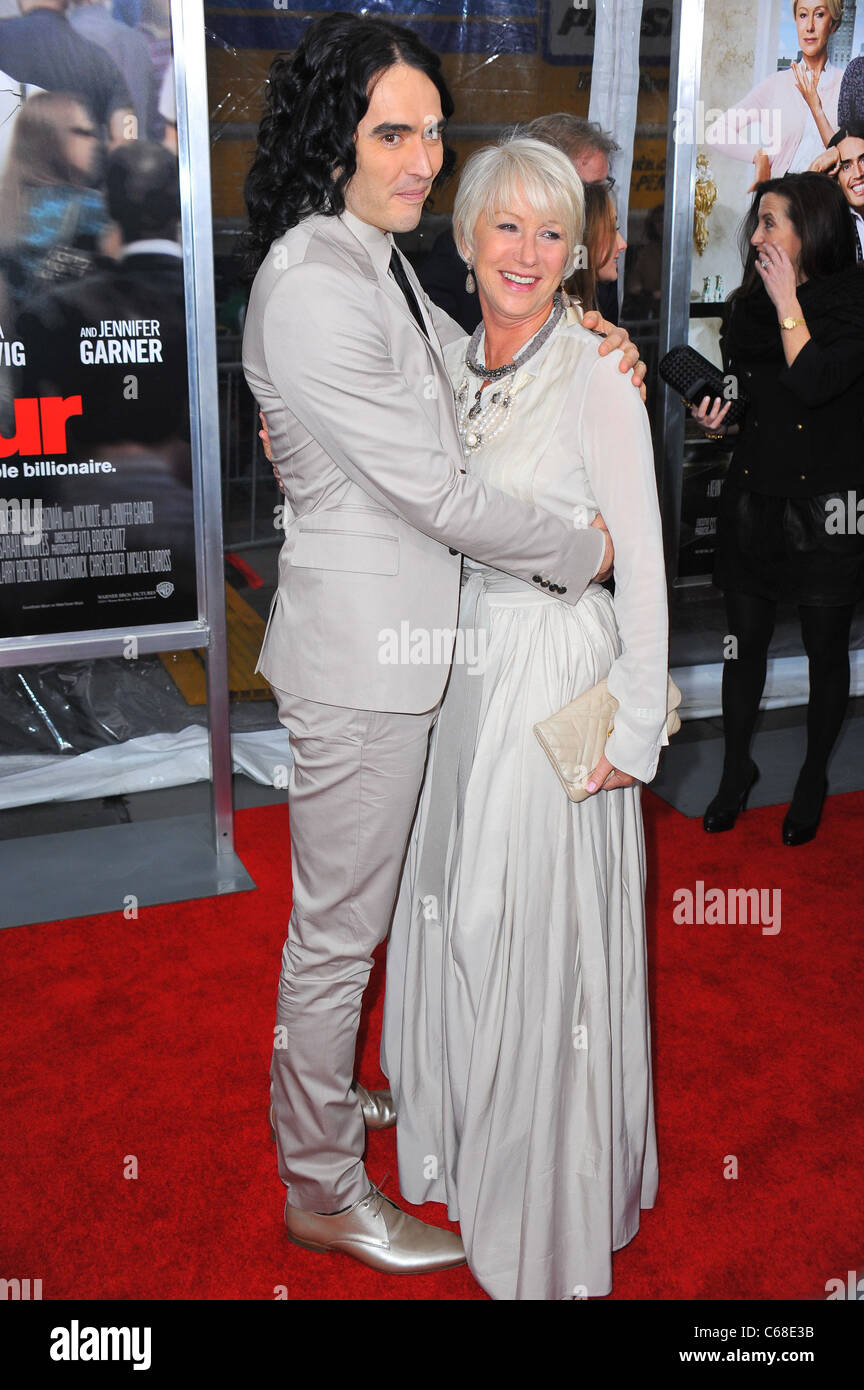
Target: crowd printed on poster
(97,502)
(116,342)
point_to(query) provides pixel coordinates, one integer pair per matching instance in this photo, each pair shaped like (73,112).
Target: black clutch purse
(694,378)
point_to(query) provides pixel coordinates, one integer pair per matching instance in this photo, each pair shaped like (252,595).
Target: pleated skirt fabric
(516,1030)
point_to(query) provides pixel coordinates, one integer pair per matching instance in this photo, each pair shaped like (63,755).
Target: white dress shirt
(380,246)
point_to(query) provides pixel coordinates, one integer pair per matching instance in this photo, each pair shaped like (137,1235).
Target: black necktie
(397,270)
(859,230)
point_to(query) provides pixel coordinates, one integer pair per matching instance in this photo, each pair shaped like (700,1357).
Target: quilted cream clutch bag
(574,738)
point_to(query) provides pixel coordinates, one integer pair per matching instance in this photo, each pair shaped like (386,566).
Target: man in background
(40,50)
(844,160)
(130,52)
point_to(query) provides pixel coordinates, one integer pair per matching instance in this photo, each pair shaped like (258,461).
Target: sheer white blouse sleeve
(615,441)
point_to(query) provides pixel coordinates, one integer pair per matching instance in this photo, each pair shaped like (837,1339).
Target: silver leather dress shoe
(378,1233)
(378,1109)
(379,1112)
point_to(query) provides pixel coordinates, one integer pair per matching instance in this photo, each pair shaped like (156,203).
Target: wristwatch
(790,323)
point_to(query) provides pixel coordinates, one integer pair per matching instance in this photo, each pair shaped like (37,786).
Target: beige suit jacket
(362,420)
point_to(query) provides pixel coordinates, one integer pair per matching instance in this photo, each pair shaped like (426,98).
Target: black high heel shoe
(798,832)
(720,815)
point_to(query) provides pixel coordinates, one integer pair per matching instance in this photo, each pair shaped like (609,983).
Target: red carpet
(151,1039)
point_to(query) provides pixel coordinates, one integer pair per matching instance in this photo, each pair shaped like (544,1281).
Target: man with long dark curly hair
(343,352)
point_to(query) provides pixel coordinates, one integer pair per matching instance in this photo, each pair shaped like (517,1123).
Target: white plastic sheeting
(141,764)
(786,684)
(615,89)
(174,760)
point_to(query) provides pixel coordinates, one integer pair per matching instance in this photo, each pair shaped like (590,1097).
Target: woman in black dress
(794,340)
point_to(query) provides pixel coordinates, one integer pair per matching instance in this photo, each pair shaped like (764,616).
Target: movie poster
(778,79)
(784,122)
(96,511)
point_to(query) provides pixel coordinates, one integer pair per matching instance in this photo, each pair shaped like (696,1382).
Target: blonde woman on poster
(797,107)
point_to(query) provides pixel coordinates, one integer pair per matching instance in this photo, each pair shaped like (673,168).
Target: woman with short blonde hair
(834,7)
(516,1033)
(543,175)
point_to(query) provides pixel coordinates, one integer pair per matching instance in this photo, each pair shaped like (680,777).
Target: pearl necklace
(477,426)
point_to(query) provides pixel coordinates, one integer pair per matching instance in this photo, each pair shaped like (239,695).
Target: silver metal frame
(684,80)
(77,646)
(193,134)
(210,631)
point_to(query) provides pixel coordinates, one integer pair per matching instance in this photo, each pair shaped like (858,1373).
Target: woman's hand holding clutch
(711,417)
(576,735)
(606,778)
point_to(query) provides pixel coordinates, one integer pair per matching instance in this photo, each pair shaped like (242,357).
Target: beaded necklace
(478,425)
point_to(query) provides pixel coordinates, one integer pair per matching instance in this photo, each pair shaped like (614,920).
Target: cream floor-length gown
(516,1032)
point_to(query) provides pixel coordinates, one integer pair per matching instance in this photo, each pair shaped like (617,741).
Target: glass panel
(744,131)
(96,493)
(643,264)
(505,63)
(94,417)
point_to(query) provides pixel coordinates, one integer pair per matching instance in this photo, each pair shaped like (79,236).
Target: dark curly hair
(315,102)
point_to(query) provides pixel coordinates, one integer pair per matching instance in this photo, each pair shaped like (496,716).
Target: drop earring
(470,282)
(565,298)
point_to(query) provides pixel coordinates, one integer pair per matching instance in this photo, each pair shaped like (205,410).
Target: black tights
(825,632)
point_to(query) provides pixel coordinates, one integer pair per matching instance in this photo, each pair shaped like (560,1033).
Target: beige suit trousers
(352,795)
